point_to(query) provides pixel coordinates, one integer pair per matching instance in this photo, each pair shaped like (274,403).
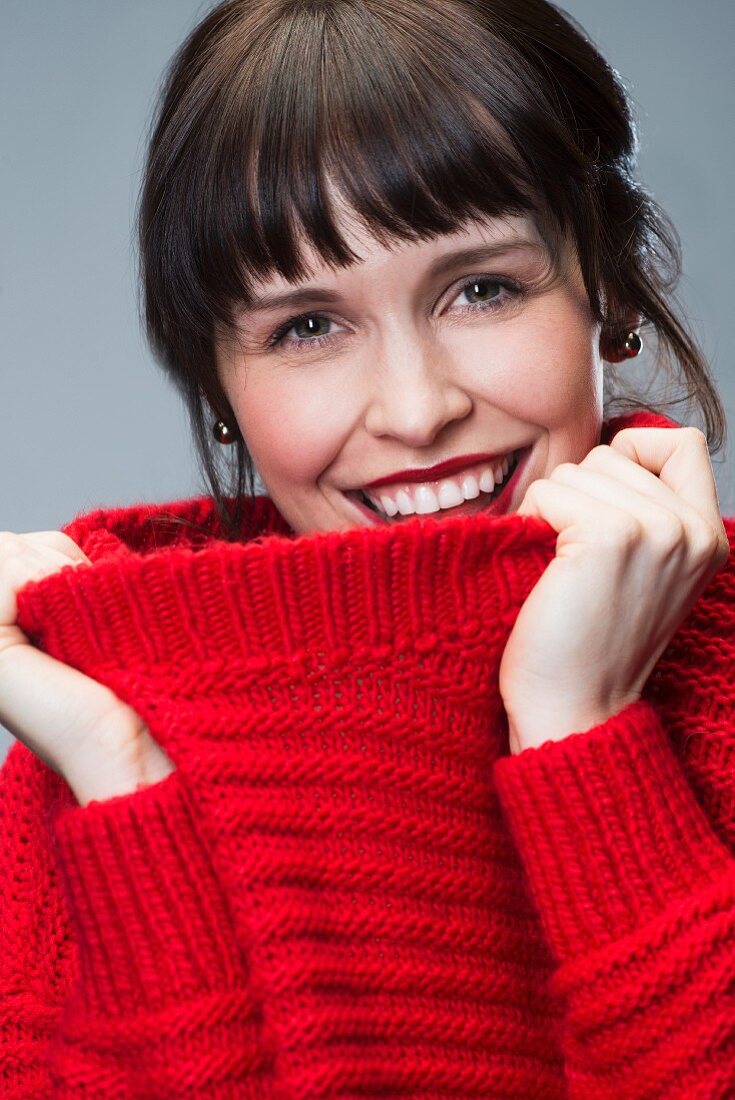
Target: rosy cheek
(286,439)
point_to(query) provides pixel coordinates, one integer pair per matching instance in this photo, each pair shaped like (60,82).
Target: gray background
(86,418)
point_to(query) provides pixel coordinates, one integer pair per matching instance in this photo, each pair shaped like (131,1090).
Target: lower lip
(498,506)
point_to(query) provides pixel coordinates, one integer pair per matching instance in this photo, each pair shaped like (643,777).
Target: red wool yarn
(348,888)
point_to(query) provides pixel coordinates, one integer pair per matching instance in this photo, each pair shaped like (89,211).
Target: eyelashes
(515,291)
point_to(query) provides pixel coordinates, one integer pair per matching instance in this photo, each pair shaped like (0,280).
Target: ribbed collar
(158,590)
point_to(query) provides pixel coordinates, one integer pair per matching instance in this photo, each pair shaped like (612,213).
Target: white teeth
(389,507)
(424,498)
(405,505)
(470,487)
(450,494)
(487,481)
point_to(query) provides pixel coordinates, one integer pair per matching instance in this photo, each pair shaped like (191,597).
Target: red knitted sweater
(348,887)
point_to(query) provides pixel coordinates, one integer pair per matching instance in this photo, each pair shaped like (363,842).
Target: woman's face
(413,356)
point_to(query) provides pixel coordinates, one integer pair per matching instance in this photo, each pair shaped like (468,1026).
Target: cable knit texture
(348,887)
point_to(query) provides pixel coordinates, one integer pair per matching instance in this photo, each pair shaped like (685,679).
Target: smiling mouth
(494,501)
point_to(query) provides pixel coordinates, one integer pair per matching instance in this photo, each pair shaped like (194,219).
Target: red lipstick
(431,473)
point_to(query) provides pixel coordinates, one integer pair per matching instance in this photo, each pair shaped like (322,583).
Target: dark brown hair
(423,114)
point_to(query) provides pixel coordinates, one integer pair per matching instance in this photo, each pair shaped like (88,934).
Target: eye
(489,292)
(313,329)
(309,324)
(307,329)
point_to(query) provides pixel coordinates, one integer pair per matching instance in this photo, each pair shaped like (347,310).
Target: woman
(399,781)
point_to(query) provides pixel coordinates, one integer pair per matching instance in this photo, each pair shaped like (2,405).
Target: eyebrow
(475,255)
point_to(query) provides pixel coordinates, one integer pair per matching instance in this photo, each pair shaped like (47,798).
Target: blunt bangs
(346,97)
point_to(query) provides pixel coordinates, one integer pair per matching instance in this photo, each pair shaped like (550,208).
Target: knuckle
(52,543)
(64,542)
(36,554)
(710,545)
(562,470)
(602,450)
(669,533)
(696,435)
(598,459)
(529,497)
(629,531)
(542,485)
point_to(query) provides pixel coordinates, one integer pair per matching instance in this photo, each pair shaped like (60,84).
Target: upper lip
(431,473)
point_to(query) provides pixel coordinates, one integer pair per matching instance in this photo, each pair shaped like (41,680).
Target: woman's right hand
(74,724)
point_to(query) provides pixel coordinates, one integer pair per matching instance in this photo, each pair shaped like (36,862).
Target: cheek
(560,387)
(549,370)
(293,429)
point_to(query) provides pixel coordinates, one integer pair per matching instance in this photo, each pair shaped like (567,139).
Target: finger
(582,520)
(680,458)
(17,569)
(55,730)
(57,540)
(657,510)
(581,516)
(668,523)
(608,462)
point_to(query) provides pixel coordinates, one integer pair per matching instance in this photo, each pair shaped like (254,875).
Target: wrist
(120,768)
(531,731)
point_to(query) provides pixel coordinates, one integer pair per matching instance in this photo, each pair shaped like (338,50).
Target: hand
(640,537)
(77,726)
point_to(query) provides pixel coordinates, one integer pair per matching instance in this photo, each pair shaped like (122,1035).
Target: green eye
(310,319)
(481,287)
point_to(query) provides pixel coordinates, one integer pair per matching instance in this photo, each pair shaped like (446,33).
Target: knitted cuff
(608,829)
(150,914)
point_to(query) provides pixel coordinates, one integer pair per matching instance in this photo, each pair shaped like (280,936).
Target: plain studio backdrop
(86,418)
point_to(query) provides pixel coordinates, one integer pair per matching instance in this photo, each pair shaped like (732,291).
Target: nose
(414,392)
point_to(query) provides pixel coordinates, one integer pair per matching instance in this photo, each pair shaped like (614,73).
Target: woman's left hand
(640,537)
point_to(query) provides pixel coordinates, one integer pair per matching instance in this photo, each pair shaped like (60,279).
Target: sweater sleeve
(164,993)
(162,1004)
(636,895)
(34,931)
